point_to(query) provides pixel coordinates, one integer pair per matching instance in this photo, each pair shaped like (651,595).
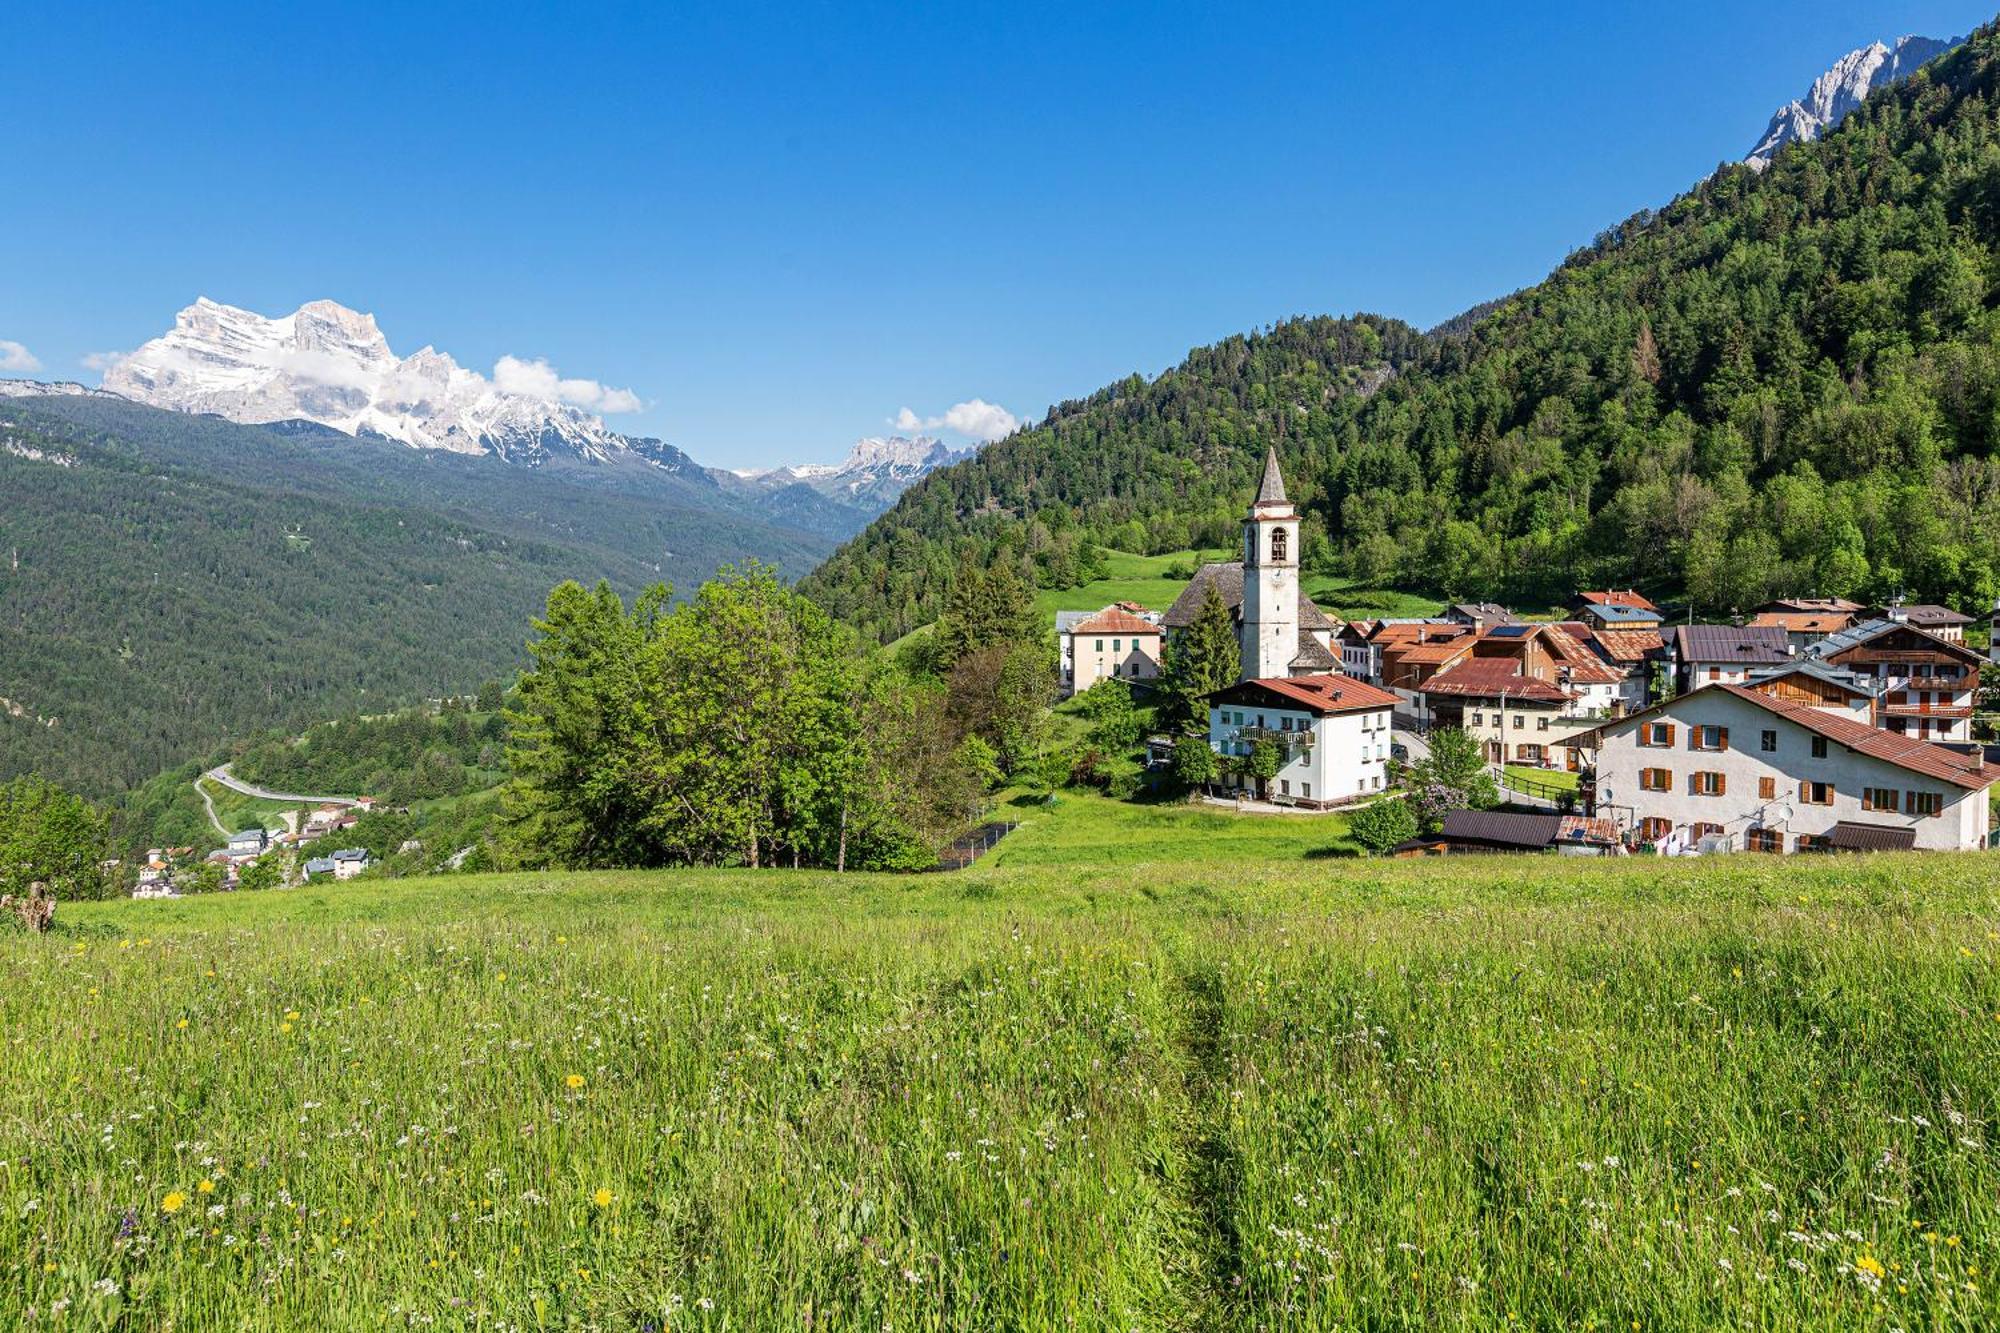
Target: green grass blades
(1067,1088)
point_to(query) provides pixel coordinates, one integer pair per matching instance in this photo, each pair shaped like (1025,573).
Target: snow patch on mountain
(1842,88)
(328,364)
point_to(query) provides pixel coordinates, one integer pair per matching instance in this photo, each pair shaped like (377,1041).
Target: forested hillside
(1780,383)
(169,583)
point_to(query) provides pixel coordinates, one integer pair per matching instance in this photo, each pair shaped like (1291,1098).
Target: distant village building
(1729,767)
(349,862)
(1942,621)
(1615,609)
(248,842)
(1279,630)
(1806,620)
(1121,642)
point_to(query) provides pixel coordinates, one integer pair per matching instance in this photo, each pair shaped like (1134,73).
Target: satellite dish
(1781,814)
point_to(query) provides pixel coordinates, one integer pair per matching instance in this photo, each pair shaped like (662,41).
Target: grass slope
(1124,1074)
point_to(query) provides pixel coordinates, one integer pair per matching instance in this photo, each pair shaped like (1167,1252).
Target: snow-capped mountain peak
(332,365)
(1842,88)
(876,470)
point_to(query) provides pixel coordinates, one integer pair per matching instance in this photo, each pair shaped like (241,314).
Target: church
(1278,628)
(1331,732)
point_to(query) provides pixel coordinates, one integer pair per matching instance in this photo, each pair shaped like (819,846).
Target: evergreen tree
(1204,657)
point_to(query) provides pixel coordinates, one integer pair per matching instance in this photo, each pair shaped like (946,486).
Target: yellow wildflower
(205,1187)
(1870,1265)
(173,1202)
(573,1081)
(602,1198)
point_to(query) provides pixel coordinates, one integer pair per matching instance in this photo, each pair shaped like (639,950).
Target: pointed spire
(1273,489)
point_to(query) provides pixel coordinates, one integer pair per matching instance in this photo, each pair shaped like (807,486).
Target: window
(1284,787)
(1927,803)
(1520,722)
(1656,779)
(1710,784)
(1657,735)
(1812,842)
(1306,790)
(1700,831)
(1654,829)
(1277,546)
(1816,793)
(1708,738)
(1100,645)
(1531,754)
(1768,742)
(1767,789)
(1715,673)
(1764,840)
(1117,645)
(1880,798)
(1479,719)
(1541,724)
(1819,747)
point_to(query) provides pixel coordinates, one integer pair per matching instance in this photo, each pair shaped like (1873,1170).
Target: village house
(1806,620)
(1614,609)
(1942,621)
(1729,767)
(1120,642)
(1480,616)
(319,867)
(349,862)
(1333,732)
(1923,684)
(1723,654)
(1519,689)
(1279,631)
(248,844)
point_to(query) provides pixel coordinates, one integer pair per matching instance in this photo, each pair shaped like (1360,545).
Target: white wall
(1135,657)
(1347,760)
(1963,825)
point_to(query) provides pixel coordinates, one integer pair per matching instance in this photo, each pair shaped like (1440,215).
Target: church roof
(1228,581)
(1313,655)
(1273,489)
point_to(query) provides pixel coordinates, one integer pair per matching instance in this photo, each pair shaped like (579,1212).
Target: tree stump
(37,909)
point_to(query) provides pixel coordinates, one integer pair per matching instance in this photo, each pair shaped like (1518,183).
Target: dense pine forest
(1779,383)
(170,583)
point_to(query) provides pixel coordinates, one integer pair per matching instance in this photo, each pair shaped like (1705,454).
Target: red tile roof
(1111,620)
(1486,676)
(1323,694)
(1628,645)
(1617,597)
(1964,770)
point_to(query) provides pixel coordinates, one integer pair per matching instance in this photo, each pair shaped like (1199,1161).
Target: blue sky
(779,226)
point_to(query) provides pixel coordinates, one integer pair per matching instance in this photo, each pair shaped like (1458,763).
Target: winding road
(220,773)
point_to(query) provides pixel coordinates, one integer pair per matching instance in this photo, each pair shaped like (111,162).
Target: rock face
(327,364)
(1842,88)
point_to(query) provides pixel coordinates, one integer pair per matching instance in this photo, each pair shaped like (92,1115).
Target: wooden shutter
(1767,789)
(1722,779)
(1669,728)
(1722,738)
(1805,792)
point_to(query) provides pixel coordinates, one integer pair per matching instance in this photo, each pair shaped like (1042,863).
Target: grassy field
(1149,1068)
(1542,777)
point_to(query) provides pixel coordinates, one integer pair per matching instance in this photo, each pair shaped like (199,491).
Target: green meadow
(1142,1068)
(1147,580)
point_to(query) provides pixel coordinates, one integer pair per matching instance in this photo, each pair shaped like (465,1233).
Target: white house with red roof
(1332,732)
(1727,767)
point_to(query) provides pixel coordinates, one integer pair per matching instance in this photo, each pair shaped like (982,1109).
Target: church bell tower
(1270,578)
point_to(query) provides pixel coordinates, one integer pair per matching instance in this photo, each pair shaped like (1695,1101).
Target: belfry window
(1277,546)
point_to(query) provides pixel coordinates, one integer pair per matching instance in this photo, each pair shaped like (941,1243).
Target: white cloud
(13,356)
(105,360)
(538,379)
(976,417)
